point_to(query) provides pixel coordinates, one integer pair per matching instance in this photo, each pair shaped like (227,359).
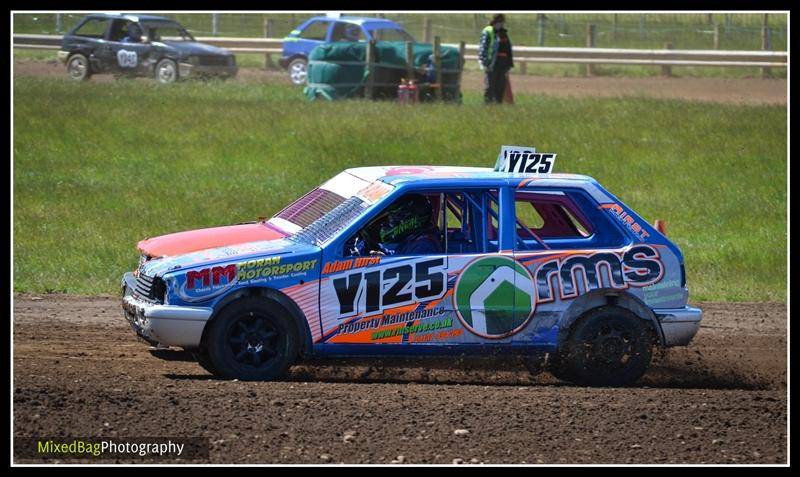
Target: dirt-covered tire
(78,68)
(252,339)
(166,71)
(607,346)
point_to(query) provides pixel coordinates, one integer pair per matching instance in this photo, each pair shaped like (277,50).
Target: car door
(117,56)
(462,294)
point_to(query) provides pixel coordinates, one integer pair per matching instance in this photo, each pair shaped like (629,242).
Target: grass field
(99,166)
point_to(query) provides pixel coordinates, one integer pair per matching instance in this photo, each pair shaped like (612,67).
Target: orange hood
(201,239)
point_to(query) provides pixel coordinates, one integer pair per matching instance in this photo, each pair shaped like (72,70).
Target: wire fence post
(369,87)
(590,30)
(614,27)
(541,21)
(462,51)
(437,65)
(709,19)
(666,70)
(642,27)
(215,24)
(268,34)
(409,61)
(59,25)
(426,35)
(716,36)
(766,45)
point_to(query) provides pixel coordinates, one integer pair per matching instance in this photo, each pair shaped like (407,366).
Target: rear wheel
(608,346)
(251,340)
(78,67)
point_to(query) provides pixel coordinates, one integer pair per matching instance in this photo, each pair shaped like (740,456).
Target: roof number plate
(524,160)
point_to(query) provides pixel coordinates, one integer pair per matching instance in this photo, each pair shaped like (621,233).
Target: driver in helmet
(134,34)
(407,229)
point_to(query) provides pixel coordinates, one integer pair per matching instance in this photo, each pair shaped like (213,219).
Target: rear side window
(315,31)
(548,217)
(93,28)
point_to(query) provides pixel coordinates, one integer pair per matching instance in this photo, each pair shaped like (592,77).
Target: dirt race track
(723,90)
(80,372)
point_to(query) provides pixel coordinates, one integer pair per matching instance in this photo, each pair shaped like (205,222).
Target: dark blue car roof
(130,16)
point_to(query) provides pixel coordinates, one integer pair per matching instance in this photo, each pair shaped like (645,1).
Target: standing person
(494,54)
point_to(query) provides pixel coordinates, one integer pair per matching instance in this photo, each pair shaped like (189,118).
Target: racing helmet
(134,32)
(407,215)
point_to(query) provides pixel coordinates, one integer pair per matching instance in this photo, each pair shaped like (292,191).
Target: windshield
(322,213)
(390,34)
(160,31)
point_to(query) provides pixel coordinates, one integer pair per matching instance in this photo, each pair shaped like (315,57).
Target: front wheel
(166,71)
(298,71)
(608,346)
(252,341)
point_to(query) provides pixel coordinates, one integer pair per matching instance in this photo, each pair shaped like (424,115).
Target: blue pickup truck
(323,29)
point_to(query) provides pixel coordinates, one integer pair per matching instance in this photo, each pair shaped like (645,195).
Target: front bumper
(283,62)
(188,70)
(62,56)
(163,325)
(679,324)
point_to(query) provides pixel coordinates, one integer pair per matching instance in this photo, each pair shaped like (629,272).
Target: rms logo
(639,266)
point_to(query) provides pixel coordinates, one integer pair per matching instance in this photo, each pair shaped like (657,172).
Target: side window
(410,225)
(346,32)
(472,221)
(315,31)
(93,28)
(119,30)
(431,223)
(546,217)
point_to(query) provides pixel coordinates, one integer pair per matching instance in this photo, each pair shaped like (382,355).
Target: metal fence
(727,31)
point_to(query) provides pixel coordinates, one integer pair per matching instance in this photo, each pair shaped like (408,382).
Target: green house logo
(494,297)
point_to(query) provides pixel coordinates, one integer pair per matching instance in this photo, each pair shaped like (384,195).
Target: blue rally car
(423,260)
(140,45)
(319,30)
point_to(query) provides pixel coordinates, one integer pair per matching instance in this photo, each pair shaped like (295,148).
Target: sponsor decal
(413,329)
(494,297)
(207,283)
(374,191)
(350,264)
(524,160)
(654,293)
(639,266)
(271,268)
(380,288)
(389,320)
(629,222)
(127,59)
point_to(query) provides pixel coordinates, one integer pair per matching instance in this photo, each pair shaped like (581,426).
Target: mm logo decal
(494,297)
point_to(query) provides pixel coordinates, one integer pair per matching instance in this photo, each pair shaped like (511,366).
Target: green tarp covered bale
(339,70)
